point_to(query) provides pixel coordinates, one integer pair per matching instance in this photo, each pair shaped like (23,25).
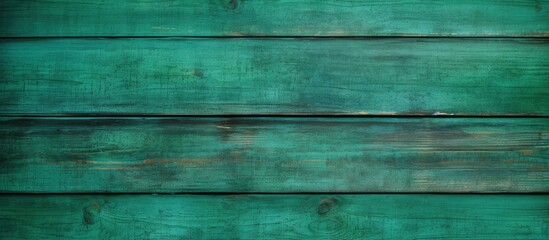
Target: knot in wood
(90,213)
(326,205)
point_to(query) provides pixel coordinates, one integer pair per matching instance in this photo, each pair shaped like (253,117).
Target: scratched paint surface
(274,155)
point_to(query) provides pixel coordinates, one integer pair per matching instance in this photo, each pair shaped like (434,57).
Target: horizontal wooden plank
(274,155)
(274,18)
(275,217)
(275,76)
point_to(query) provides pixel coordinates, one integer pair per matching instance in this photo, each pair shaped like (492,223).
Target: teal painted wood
(274,155)
(274,18)
(275,217)
(275,76)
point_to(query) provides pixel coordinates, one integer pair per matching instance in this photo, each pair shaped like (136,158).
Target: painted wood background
(286,119)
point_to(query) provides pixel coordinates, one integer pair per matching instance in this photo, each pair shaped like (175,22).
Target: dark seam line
(274,193)
(263,116)
(273,37)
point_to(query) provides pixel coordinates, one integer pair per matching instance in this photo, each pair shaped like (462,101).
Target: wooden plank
(275,217)
(274,18)
(274,155)
(275,76)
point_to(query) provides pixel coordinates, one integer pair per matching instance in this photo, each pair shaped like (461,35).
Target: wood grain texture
(274,18)
(275,217)
(274,155)
(275,76)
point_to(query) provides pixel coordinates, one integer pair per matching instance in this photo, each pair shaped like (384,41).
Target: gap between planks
(275,37)
(4,193)
(335,115)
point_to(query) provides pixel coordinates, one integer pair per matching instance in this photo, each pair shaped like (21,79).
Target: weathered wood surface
(274,76)
(275,217)
(274,18)
(274,155)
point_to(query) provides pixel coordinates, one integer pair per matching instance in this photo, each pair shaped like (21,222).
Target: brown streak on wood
(527,151)
(99,163)
(167,161)
(79,154)
(108,169)
(236,34)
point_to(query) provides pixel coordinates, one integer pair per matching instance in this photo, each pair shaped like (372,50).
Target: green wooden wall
(274,119)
